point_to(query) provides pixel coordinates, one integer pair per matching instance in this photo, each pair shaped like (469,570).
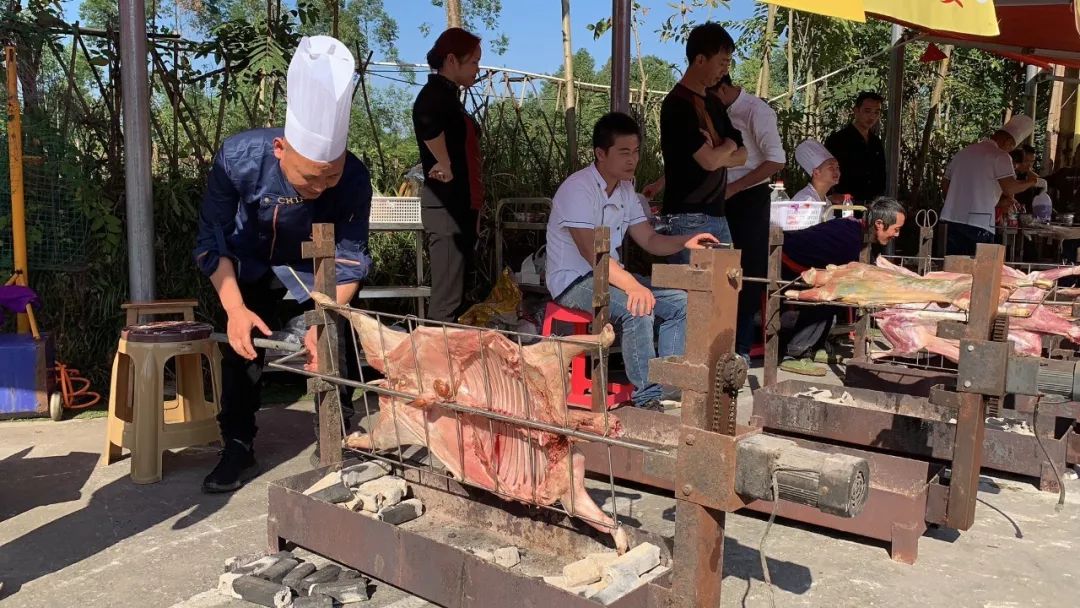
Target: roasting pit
(492,412)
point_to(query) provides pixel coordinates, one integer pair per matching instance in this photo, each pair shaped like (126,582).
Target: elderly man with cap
(979,179)
(265,190)
(821,166)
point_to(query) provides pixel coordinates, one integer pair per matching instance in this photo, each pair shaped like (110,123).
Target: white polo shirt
(974,190)
(582,202)
(756,120)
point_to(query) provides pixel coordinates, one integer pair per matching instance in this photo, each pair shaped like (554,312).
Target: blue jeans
(689,224)
(638,343)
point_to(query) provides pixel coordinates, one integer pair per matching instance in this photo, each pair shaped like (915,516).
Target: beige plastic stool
(176,410)
(136,400)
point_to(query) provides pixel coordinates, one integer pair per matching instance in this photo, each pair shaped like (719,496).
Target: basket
(395,210)
(796,215)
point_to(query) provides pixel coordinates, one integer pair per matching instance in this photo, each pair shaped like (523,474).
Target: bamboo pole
(15,163)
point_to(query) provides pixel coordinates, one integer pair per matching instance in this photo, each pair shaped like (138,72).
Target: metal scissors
(926,218)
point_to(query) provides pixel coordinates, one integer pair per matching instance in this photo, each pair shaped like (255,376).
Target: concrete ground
(73,534)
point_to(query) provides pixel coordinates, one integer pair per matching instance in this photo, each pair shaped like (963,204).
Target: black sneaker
(237,466)
(652,405)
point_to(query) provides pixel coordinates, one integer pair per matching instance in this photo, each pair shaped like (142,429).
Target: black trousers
(748,218)
(962,239)
(451,236)
(241,380)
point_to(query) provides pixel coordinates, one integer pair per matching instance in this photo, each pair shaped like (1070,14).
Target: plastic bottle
(848,201)
(778,192)
(1042,207)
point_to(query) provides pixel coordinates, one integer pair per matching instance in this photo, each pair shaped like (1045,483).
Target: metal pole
(895,105)
(15,162)
(138,193)
(571,93)
(620,55)
(1031,91)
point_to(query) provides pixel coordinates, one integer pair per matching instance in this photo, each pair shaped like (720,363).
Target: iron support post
(621,15)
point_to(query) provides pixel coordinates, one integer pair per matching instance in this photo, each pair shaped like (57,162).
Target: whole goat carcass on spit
(484,370)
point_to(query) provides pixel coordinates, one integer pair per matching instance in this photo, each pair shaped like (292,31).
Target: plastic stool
(136,397)
(175,410)
(580,384)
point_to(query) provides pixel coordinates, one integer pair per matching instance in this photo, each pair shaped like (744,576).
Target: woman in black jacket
(453,192)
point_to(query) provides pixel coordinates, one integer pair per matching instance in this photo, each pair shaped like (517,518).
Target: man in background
(748,196)
(978,180)
(860,152)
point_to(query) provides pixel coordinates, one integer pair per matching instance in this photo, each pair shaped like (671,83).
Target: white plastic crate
(792,215)
(395,210)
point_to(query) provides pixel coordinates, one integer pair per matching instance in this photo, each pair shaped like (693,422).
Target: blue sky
(533,27)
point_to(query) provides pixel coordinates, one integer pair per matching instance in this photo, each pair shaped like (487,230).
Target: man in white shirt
(821,166)
(602,194)
(977,179)
(749,196)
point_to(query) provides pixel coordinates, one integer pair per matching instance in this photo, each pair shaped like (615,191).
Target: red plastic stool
(580,383)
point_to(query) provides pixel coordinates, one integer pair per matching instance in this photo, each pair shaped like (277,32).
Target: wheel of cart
(70,392)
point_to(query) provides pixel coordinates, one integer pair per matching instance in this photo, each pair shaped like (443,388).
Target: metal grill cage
(532,427)
(395,210)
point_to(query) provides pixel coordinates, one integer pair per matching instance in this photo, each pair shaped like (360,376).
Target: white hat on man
(321,80)
(1019,127)
(810,154)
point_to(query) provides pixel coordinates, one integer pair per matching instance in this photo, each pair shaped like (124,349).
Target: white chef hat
(1019,127)
(810,154)
(322,77)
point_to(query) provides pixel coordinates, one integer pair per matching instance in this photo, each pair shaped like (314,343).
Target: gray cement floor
(72,534)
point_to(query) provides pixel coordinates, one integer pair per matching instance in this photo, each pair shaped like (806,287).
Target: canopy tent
(1036,32)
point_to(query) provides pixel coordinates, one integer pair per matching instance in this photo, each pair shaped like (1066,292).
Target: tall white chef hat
(322,77)
(1020,127)
(810,154)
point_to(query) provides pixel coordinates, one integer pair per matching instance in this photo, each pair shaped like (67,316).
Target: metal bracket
(983,367)
(706,467)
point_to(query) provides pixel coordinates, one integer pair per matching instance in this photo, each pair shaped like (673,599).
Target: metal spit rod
(540,426)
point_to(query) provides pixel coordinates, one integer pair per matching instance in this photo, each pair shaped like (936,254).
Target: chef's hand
(441,172)
(728,145)
(640,300)
(241,322)
(312,347)
(698,241)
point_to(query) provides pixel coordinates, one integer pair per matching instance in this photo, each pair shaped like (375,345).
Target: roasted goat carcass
(484,370)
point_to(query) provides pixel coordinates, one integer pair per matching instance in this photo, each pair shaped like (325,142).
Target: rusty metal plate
(983,367)
(951,330)
(679,276)
(895,378)
(676,371)
(439,573)
(705,468)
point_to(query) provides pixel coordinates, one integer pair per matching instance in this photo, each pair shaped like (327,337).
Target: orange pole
(18,203)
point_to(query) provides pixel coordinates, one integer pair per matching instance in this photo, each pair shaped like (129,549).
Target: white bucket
(796,215)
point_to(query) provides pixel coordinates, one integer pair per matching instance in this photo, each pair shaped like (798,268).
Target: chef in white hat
(979,179)
(265,190)
(821,166)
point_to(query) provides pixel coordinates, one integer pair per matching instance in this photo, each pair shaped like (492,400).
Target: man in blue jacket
(265,190)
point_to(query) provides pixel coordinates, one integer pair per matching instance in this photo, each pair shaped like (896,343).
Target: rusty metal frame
(712,279)
(449,576)
(905,492)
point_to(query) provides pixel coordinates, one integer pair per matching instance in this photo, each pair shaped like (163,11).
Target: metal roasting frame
(704,466)
(910,486)
(1005,451)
